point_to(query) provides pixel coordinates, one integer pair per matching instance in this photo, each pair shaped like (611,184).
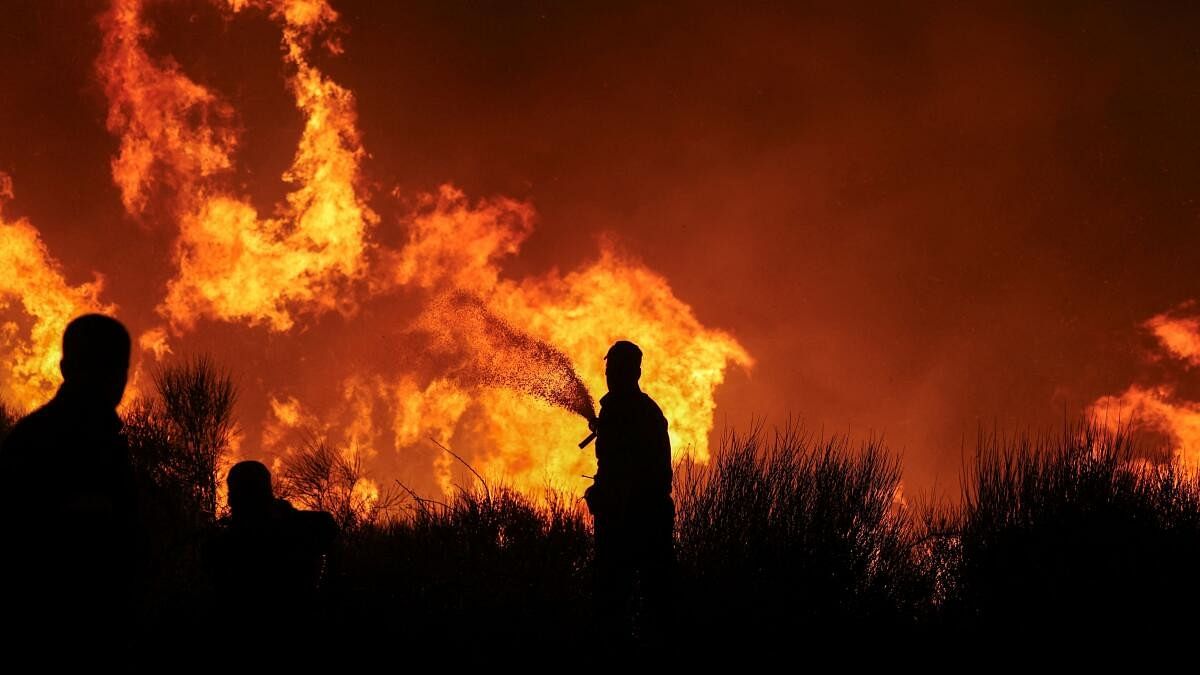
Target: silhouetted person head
(623,367)
(95,359)
(250,493)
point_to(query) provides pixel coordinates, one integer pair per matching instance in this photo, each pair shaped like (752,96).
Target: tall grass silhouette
(783,535)
(1074,532)
(790,531)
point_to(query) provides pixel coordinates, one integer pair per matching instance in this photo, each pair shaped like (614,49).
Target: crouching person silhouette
(268,559)
(69,505)
(633,513)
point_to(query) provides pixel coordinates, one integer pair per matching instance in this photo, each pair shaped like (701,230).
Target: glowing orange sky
(917,221)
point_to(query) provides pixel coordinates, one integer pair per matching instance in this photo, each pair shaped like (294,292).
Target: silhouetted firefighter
(68,502)
(267,557)
(634,515)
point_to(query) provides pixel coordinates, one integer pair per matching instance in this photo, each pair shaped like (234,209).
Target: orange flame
(178,148)
(288,416)
(530,443)
(150,105)
(1160,407)
(233,264)
(584,312)
(33,278)
(452,244)
(1180,336)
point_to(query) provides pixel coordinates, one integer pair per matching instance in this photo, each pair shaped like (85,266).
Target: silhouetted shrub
(197,399)
(1075,534)
(320,478)
(793,533)
(177,439)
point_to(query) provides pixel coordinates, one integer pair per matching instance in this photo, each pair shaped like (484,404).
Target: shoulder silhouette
(69,497)
(267,555)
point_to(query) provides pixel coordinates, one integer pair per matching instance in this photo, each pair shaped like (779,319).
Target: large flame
(615,298)
(233,264)
(506,368)
(34,279)
(582,313)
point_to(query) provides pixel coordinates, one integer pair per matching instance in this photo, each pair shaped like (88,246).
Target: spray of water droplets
(488,351)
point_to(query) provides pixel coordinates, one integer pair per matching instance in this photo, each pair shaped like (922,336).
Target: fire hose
(592,436)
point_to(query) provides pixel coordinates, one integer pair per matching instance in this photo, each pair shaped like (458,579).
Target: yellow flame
(174,133)
(233,454)
(452,243)
(584,312)
(233,264)
(290,418)
(34,279)
(179,138)
(531,444)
